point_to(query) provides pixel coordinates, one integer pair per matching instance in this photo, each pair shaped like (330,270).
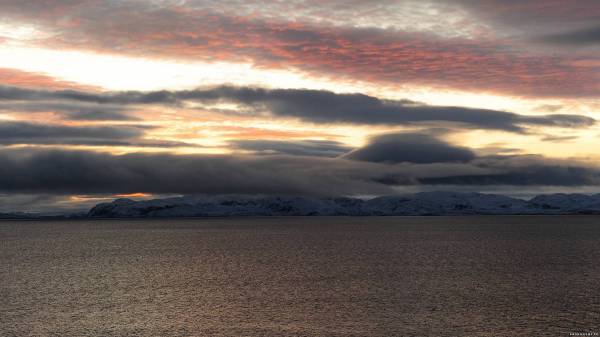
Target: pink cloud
(20,78)
(380,56)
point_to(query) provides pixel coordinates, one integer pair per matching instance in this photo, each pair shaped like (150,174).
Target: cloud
(61,172)
(71,104)
(11,130)
(376,55)
(12,93)
(25,133)
(582,37)
(496,170)
(327,107)
(80,172)
(19,78)
(308,147)
(317,106)
(522,171)
(75,111)
(410,148)
(33,203)
(530,17)
(551,138)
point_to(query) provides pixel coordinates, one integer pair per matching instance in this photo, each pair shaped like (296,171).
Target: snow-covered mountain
(426,203)
(567,203)
(435,203)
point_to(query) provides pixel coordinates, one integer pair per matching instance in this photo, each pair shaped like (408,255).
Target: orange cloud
(234,132)
(133,195)
(34,80)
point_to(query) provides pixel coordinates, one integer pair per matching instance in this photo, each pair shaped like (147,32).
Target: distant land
(425,203)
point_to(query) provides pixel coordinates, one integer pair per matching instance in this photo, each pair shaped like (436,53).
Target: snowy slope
(428,203)
(567,203)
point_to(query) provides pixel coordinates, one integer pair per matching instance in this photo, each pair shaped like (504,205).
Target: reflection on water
(385,276)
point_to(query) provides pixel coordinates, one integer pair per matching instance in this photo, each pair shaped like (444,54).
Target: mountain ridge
(424,203)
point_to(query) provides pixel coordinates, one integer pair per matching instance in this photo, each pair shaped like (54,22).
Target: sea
(301,276)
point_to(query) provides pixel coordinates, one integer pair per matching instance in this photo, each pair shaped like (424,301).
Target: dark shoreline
(301,216)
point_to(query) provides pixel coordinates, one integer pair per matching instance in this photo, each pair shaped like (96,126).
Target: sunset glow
(274,87)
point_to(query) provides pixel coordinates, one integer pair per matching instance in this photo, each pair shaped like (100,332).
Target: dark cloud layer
(328,107)
(69,172)
(25,133)
(72,105)
(410,148)
(34,133)
(74,111)
(583,37)
(28,171)
(525,19)
(537,174)
(315,106)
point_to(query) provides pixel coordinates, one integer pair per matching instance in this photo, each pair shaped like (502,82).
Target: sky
(144,99)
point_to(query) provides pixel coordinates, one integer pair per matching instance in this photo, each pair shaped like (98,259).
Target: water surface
(313,276)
